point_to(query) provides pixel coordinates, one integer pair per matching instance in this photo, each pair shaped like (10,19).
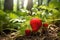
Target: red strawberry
(45,25)
(27,32)
(35,23)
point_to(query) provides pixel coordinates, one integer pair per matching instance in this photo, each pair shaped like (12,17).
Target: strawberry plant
(35,24)
(27,32)
(45,24)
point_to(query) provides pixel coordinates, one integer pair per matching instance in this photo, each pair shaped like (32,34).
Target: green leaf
(43,7)
(13,16)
